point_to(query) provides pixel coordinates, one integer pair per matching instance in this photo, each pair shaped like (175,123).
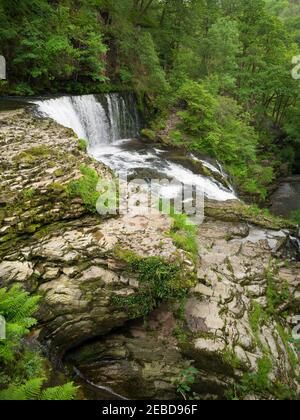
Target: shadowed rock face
(238,312)
(286,198)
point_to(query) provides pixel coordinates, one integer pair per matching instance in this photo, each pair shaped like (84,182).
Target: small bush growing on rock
(159,281)
(185,380)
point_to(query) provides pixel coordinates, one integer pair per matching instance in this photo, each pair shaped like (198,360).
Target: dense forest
(225,66)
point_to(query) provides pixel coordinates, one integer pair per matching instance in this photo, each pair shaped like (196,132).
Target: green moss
(148,134)
(260,216)
(32,228)
(57,187)
(239,212)
(82,145)
(295,217)
(85,188)
(32,155)
(184,234)
(59,173)
(29,193)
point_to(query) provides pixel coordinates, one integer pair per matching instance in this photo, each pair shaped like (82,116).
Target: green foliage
(82,145)
(232,359)
(37,37)
(148,134)
(33,390)
(23,373)
(215,125)
(257,318)
(17,307)
(295,216)
(149,76)
(257,383)
(286,339)
(86,188)
(223,48)
(29,193)
(159,281)
(184,234)
(277,293)
(185,380)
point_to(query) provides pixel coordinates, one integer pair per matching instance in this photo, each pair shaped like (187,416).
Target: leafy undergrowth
(23,373)
(295,217)
(159,281)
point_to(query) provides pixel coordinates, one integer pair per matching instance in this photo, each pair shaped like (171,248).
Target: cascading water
(100,119)
(111,125)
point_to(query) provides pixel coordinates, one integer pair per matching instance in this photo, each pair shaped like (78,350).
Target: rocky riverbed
(234,325)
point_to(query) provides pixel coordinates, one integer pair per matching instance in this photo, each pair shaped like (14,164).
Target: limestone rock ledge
(237,318)
(53,246)
(234,327)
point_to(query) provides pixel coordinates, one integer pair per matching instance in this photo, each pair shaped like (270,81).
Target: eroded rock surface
(243,290)
(233,324)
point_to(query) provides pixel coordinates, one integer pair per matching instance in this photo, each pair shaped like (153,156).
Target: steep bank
(232,323)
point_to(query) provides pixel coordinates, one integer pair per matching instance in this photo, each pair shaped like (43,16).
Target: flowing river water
(111,124)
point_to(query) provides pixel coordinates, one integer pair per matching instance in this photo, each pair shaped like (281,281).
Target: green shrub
(159,281)
(185,380)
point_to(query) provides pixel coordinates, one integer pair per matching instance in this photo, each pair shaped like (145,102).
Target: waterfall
(100,119)
(105,120)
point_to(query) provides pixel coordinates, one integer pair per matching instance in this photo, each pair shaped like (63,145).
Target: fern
(29,391)
(33,390)
(23,371)
(17,307)
(66,392)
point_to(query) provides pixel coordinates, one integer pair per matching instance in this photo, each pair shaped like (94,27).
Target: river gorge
(91,325)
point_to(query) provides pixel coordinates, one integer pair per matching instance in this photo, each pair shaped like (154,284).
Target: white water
(109,124)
